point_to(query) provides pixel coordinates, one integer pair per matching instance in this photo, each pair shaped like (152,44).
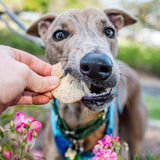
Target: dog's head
(85,41)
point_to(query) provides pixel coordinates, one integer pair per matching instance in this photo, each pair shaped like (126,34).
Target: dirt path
(151,142)
(150,84)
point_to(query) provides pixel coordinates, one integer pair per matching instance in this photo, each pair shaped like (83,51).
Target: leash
(66,140)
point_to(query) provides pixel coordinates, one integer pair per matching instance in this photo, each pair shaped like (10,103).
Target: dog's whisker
(60,58)
(124,75)
(122,85)
(63,60)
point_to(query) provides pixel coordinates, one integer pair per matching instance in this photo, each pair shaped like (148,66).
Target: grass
(10,39)
(139,56)
(153,105)
(151,157)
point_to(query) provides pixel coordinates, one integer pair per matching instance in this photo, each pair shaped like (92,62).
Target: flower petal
(7,154)
(19,126)
(38,155)
(29,119)
(20,116)
(30,136)
(36,125)
(116,139)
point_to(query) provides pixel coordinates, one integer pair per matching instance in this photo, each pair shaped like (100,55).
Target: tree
(147,12)
(62,5)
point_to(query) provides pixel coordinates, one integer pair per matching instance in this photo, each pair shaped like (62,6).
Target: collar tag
(104,114)
(69,132)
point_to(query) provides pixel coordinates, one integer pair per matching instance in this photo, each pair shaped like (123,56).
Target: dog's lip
(95,94)
(92,97)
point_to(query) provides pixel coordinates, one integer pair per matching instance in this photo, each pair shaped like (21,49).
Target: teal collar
(63,136)
(81,131)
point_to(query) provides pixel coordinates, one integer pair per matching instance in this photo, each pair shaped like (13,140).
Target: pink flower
(7,154)
(26,125)
(116,139)
(100,142)
(38,155)
(97,148)
(105,155)
(107,141)
(103,149)
(109,155)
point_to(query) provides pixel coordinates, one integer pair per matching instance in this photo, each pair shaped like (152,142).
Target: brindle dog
(85,41)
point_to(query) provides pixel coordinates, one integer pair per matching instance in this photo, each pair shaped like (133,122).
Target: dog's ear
(119,18)
(40,27)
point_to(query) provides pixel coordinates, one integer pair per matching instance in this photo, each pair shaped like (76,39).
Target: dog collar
(64,137)
(80,132)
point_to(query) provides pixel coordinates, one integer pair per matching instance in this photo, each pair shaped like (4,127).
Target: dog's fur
(86,35)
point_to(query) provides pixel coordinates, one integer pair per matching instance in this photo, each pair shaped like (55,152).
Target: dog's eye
(60,35)
(109,32)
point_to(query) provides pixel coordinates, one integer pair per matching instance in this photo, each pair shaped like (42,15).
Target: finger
(33,62)
(33,98)
(49,95)
(39,84)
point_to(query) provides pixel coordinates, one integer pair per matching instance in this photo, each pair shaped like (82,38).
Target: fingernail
(54,81)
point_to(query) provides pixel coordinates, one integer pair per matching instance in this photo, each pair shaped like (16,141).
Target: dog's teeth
(99,94)
(89,86)
(107,90)
(85,87)
(92,94)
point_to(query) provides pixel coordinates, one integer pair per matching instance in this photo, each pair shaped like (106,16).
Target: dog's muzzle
(97,69)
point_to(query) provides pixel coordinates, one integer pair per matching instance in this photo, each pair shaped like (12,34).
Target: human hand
(24,79)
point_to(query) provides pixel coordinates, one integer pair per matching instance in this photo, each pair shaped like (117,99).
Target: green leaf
(136,158)
(78,157)
(119,157)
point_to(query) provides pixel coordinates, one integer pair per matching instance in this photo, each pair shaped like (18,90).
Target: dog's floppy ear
(119,18)
(40,27)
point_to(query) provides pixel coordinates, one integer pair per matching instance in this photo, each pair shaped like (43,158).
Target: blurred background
(139,46)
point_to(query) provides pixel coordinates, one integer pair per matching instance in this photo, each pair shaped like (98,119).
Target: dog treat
(70,89)
(57,70)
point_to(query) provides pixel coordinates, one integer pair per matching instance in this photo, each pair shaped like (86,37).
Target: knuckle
(41,85)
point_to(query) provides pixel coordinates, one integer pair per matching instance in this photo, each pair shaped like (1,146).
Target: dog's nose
(96,66)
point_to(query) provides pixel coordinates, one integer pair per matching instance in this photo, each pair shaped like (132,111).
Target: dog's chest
(76,115)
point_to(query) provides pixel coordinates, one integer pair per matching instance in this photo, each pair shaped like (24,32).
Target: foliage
(151,157)
(10,39)
(139,56)
(62,5)
(50,5)
(147,12)
(34,5)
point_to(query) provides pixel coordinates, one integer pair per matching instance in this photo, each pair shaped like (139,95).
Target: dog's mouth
(96,96)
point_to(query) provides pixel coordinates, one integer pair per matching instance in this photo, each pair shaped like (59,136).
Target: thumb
(39,84)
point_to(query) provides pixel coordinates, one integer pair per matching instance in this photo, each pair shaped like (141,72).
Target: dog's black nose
(96,66)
